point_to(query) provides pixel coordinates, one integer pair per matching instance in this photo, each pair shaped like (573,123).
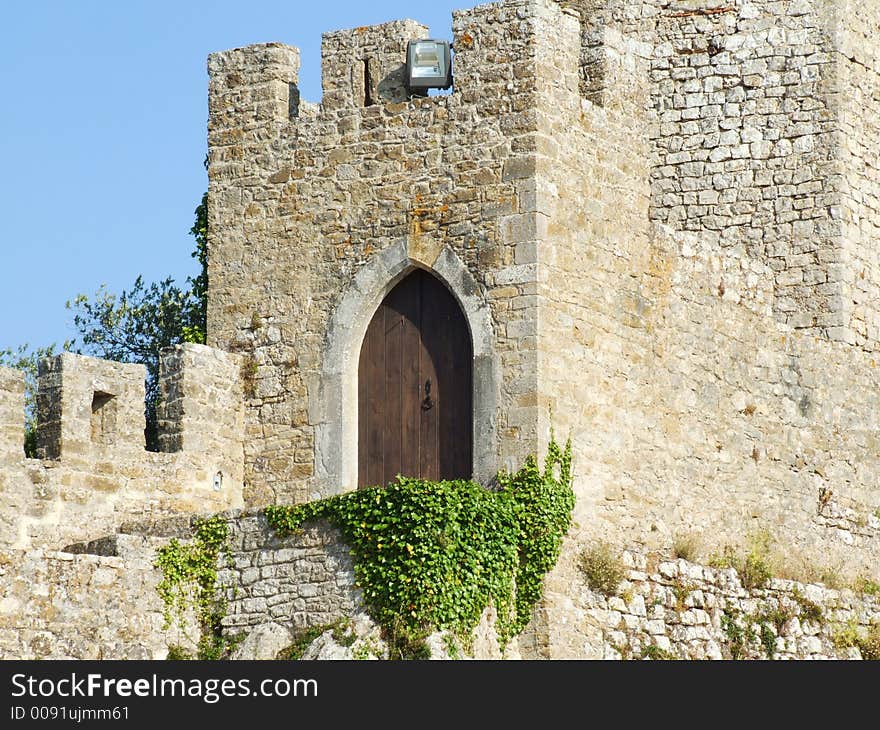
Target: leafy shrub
(870,645)
(685,546)
(849,635)
(755,572)
(189,581)
(602,568)
(655,653)
(178,653)
(867,587)
(754,568)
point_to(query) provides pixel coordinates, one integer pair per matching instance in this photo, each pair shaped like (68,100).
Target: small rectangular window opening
(293,101)
(368,84)
(104,407)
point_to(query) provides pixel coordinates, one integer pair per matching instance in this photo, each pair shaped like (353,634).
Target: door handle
(428,402)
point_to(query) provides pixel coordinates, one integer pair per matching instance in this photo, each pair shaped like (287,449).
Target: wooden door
(415,385)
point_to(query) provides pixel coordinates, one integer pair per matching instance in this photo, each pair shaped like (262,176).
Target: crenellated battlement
(366,66)
(93,471)
(251,88)
(200,400)
(87,406)
(497,49)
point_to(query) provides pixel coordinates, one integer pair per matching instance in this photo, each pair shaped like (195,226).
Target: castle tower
(763,134)
(324,211)
(657,224)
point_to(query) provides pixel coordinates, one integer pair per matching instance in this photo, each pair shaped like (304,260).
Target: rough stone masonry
(660,221)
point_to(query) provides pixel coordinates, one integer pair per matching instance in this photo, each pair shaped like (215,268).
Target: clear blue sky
(103,121)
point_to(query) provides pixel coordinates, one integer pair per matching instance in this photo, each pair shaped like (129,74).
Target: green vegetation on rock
(433,555)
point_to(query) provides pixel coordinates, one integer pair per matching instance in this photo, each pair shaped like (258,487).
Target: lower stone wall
(276,587)
(301,581)
(664,608)
(102,604)
(57,605)
(675,609)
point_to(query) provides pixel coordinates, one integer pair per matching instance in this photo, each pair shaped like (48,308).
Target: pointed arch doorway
(415,386)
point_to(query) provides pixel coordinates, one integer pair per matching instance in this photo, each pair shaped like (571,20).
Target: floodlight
(428,65)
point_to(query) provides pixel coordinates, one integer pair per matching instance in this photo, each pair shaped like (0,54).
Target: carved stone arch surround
(333,400)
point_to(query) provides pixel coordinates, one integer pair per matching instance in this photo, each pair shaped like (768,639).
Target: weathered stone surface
(361,639)
(302,581)
(689,610)
(483,645)
(660,220)
(95,473)
(264,642)
(62,606)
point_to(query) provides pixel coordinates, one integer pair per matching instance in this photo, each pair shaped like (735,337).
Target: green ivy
(189,581)
(433,555)
(544,502)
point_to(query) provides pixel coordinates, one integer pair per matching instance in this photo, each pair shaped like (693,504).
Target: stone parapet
(93,471)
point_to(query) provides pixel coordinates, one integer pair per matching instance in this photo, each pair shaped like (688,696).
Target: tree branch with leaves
(135,325)
(132,326)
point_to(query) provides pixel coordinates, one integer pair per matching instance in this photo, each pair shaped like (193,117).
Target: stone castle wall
(692,408)
(57,605)
(95,472)
(659,220)
(102,603)
(748,117)
(651,211)
(696,412)
(764,113)
(859,137)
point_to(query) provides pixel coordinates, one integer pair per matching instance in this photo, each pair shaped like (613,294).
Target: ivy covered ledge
(412,570)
